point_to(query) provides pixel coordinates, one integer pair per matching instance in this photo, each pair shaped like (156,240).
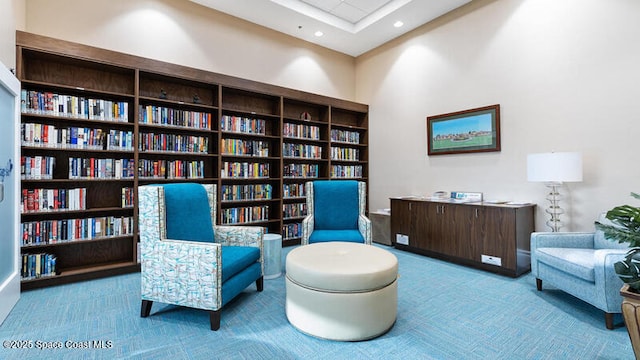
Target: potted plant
(625,228)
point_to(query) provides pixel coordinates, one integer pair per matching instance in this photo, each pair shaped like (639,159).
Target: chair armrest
(364,226)
(182,266)
(307,229)
(607,279)
(239,235)
(562,240)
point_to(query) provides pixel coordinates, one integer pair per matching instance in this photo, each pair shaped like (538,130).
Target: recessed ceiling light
(398,23)
(319,33)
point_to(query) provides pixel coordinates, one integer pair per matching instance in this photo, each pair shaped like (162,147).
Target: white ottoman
(341,291)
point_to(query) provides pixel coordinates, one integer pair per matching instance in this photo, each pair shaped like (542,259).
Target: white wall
(12,17)
(185,33)
(565,73)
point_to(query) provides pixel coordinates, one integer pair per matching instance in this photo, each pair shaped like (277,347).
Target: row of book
(128,197)
(246,192)
(43,200)
(346,171)
(244,170)
(37,167)
(242,125)
(345,136)
(243,215)
(294,210)
(338,153)
(300,170)
(293,190)
(42,135)
(244,147)
(301,131)
(39,265)
(55,231)
(171,169)
(49,103)
(292,231)
(302,151)
(173,143)
(95,168)
(158,115)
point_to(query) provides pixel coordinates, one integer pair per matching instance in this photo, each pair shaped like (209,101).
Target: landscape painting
(474,130)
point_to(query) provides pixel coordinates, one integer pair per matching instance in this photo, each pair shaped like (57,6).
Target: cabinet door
(400,218)
(420,236)
(498,240)
(434,227)
(465,231)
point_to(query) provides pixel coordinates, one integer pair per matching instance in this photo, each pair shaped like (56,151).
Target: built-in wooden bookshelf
(96,124)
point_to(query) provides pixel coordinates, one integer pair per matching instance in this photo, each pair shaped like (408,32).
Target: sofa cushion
(188,216)
(237,258)
(577,262)
(335,204)
(336,235)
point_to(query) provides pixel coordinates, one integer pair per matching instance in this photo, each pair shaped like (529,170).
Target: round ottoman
(341,291)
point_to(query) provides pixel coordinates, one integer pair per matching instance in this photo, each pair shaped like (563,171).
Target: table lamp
(554,169)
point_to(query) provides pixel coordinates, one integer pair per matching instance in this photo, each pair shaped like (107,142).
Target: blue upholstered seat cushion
(235,285)
(237,258)
(188,215)
(578,262)
(336,235)
(335,205)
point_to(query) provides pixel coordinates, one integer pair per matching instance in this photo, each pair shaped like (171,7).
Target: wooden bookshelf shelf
(70,85)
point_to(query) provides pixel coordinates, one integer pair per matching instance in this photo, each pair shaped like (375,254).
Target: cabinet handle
(476,212)
(442,209)
(410,206)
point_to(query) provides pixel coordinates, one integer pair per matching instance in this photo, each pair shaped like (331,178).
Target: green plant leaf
(625,224)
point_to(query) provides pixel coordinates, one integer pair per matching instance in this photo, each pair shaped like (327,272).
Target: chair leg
(608,320)
(539,284)
(260,284)
(145,309)
(214,319)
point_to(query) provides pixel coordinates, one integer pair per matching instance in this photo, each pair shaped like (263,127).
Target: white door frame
(10,182)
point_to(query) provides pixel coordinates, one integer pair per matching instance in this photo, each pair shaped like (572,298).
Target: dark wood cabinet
(487,236)
(98,124)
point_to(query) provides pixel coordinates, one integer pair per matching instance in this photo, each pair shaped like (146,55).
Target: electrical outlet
(492,260)
(402,239)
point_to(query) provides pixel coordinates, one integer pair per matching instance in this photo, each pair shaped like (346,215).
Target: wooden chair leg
(608,320)
(539,284)
(145,309)
(214,319)
(260,283)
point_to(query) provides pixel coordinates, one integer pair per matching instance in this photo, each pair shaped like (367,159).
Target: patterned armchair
(335,212)
(186,259)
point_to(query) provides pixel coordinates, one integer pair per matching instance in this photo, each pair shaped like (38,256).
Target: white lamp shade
(554,167)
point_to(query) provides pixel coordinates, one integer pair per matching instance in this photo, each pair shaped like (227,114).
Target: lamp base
(554,210)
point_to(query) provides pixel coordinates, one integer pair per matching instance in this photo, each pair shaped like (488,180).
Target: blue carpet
(445,311)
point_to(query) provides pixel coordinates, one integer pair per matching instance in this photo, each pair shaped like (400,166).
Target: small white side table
(272,244)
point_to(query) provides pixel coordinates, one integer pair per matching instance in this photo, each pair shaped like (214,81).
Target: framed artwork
(467,131)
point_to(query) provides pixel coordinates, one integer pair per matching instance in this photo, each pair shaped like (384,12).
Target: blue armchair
(186,259)
(580,264)
(335,212)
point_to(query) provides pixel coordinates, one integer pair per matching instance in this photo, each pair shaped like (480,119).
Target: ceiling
(352,27)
